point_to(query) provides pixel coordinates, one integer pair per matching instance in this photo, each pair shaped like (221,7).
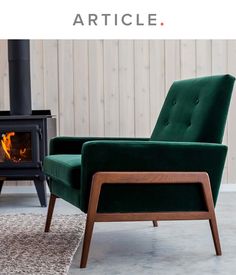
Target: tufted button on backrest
(166,122)
(195,110)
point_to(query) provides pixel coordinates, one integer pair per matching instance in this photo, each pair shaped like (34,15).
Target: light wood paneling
(172,62)
(51,77)
(220,65)
(187,58)
(4,81)
(81,88)
(126,88)
(37,73)
(116,88)
(157,79)
(66,88)
(111,88)
(96,88)
(231,125)
(203,57)
(142,86)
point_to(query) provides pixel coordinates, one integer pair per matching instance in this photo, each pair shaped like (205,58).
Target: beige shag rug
(26,249)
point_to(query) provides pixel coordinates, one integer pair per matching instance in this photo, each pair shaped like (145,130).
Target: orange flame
(7,148)
(6,143)
(22,152)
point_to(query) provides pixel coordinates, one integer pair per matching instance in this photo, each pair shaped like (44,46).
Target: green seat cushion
(65,168)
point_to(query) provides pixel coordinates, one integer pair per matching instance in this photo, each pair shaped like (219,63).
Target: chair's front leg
(212,221)
(215,235)
(91,215)
(87,240)
(50,212)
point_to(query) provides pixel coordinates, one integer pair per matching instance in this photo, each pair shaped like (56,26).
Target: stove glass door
(15,147)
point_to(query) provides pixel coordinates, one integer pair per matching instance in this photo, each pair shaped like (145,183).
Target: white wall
(116,88)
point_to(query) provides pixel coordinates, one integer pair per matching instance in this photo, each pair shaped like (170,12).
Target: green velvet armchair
(173,175)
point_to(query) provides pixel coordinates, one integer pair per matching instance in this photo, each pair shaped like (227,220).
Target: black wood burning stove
(24,134)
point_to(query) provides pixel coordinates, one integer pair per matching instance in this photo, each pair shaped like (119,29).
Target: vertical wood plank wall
(117,87)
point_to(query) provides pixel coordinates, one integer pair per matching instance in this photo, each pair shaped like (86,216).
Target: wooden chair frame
(101,178)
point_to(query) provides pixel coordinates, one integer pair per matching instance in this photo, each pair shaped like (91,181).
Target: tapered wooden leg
(92,211)
(155,224)
(215,235)
(50,212)
(87,240)
(101,178)
(1,184)
(212,219)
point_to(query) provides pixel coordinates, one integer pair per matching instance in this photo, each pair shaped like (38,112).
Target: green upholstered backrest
(195,110)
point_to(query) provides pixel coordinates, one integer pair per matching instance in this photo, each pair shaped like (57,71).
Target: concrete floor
(184,247)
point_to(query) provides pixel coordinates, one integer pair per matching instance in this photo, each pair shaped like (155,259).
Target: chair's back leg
(1,184)
(155,224)
(50,212)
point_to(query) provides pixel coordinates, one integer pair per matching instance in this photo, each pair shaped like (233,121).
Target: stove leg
(40,186)
(1,184)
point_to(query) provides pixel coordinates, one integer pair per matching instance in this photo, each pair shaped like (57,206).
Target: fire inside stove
(15,147)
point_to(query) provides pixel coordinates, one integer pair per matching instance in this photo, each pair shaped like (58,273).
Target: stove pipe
(19,77)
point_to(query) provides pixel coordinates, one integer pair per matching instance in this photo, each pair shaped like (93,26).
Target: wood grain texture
(51,77)
(153,178)
(37,74)
(172,62)
(231,125)
(96,88)
(142,86)
(81,88)
(126,88)
(157,79)
(188,58)
(220,65)
(203,57)
(111,88)
(4,79)
(66,88)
